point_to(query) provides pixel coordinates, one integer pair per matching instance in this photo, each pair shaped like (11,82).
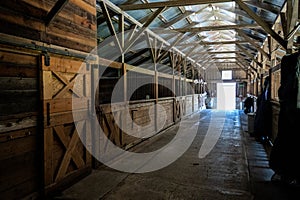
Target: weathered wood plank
(85,24)
(47,86)
(66,117)
(18,147)
(48,156)
(18,169)
(17,60)
(15,83)
(63,105)
(11,108)
(64,64)
(17,122)
(68,155)
(21,190)
(21,71)
(75,155)
(88,143)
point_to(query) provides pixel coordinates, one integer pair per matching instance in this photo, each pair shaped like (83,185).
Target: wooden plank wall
(25,33)
(20,158)
(74,27)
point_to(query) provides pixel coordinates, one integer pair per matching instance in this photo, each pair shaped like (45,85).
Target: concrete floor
(235,169)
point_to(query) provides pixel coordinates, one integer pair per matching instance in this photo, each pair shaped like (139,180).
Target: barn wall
(38,137)
(73,27)
(20,155)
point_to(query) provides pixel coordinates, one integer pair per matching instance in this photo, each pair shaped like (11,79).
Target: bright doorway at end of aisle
(226,96)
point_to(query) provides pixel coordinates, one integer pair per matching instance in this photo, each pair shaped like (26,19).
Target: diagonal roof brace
(59,5)
(262,23)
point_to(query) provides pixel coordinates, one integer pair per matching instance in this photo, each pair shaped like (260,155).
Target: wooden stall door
(65,157)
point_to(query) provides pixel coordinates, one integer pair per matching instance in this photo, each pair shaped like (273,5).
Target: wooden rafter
(249,54)
(246,37)
(242,67)
(169,47)
(136,54)
(263,6)
(169,4)
(293,32)
(217,52)
(217,58)
(283,24)
(151,46)
(211,43)
(236,11)
(177,19)
(262,23)
(110,25)
(137,25)
(146,24)
(182,16)
(215,28)
(223,42)
(59,5)
(242,62)
(121,26)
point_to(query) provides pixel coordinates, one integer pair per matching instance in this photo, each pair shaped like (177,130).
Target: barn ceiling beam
(266,7)
(142,30)
(211,43)
(59,5)
(235,11)
(136,54)
(188,54)
(215,28)
(262,23)
(217,58)
(242,61)
(249,55)
(247,38)
(217,52)
(242,67)
(137,24)
(169,47)
(177,19)
(175,3)
(223,42)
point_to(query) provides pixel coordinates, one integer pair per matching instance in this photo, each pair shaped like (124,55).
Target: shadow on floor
(262,187)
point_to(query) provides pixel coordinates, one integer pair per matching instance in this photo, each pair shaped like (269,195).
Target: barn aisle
(222,174)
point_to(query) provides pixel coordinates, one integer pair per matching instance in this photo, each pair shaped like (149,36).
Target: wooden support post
(124,74)
(184,77)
